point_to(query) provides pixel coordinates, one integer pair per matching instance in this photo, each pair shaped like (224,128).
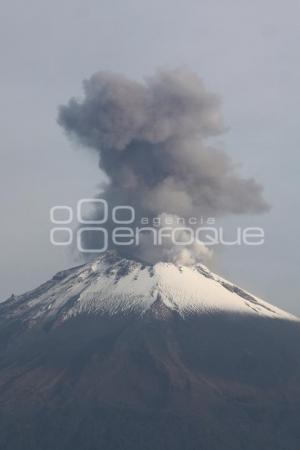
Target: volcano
(117,354)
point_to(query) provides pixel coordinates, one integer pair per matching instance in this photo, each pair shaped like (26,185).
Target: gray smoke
(154,144)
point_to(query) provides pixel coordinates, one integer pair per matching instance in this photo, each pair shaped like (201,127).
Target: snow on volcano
(112,285)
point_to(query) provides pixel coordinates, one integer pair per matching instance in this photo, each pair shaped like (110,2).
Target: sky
(247,52)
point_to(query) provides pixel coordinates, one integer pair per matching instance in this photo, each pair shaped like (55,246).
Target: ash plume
(154,144)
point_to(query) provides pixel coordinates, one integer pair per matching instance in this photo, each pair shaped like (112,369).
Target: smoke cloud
(154,140)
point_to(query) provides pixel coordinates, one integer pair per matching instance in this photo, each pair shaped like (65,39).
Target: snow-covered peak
(112,285)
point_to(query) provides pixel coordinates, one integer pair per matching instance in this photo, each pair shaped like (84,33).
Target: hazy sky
(248,52)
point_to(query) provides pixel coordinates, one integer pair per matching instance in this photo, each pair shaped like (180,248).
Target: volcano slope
(115,354)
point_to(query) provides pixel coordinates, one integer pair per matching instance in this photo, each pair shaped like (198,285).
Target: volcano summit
(116,354)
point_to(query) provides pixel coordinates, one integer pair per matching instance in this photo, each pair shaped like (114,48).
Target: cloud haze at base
(154,140)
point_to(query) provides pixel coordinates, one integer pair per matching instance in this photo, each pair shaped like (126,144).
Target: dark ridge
(204,272)
(65,273)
